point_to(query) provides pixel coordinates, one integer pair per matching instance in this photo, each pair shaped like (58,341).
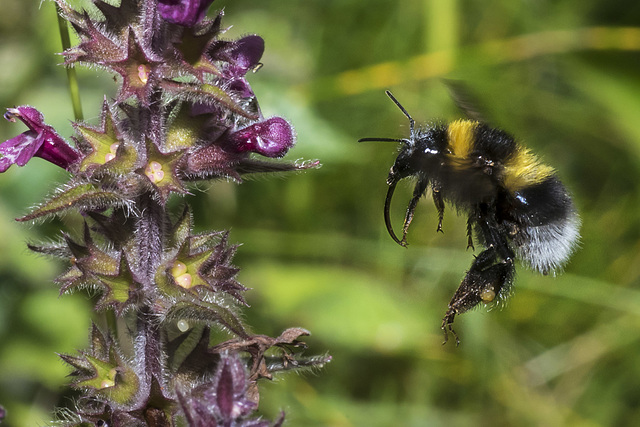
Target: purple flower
(271,138)
(243,56)
(183,12)
(229,390)
(225,400)
(40,140)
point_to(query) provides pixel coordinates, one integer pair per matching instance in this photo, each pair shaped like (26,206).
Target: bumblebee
(516,205)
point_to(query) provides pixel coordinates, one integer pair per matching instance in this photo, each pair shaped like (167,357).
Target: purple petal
(271,138)
(19,150)
(223,401)
(29,116)
(247,51)
(40,140)
(183,12)
(224,392)
(230,388)
(241,57)
(241,87)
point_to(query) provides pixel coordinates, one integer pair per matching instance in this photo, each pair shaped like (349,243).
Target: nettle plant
(184,113)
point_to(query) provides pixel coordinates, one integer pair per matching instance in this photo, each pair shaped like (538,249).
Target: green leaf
(185,344)
(204,312)
(207,94)
(85,197)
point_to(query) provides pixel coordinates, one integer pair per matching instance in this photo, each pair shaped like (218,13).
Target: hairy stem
(148,237)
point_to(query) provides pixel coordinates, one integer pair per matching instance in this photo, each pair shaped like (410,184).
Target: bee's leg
(447,326)
(492,234)
(437,200)
(418,191)
(491,272)
(483,282)
(470,233)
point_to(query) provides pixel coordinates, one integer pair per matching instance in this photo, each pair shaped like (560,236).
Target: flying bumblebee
(516,205)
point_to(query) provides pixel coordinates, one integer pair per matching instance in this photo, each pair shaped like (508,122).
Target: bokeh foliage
(563,76)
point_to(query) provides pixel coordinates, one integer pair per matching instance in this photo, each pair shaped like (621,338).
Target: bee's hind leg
(485,280)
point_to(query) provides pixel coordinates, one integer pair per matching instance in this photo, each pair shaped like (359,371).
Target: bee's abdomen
(548,225)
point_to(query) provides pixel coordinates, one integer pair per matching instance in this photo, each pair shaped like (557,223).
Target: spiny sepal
(218,272)
(121,43)
(104,148)
(198,264)
(188,262)
(139,70)
(119,292)
(90,258)
(192,47)
(58,249)
(103,372)
(97,44)
(104,272)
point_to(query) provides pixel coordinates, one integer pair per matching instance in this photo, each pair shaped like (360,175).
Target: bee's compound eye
(488,295)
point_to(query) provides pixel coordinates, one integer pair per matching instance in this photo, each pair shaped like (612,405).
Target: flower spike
(179,351)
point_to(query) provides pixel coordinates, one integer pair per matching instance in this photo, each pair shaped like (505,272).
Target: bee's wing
(464,99)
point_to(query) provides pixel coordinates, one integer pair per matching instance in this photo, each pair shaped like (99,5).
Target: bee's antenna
(405,112)
(407,141)
(383,140)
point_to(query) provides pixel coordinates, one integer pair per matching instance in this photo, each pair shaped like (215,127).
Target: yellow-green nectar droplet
(183,325)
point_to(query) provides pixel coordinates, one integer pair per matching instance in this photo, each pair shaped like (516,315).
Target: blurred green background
(564,76)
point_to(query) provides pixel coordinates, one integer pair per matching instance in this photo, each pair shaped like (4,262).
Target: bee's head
(415,153)
(406,164)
